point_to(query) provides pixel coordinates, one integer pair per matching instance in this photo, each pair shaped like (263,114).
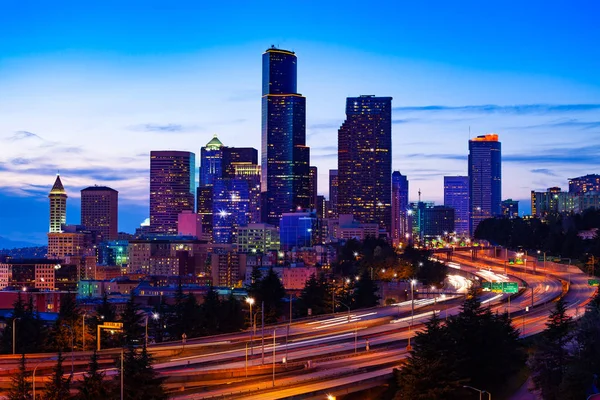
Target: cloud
(325,125)
(543,171)
(21,135)
(161,128)
(323,156)
(20,161)
(564,123)
(519,109)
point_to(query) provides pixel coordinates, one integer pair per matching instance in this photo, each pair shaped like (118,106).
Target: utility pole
(263,332)
(274,331)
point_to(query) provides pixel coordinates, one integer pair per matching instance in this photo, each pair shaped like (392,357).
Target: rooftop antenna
(419,195)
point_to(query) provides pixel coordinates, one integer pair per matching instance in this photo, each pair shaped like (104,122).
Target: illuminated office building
(485,179)
(365,160)
(285,156)
(399,207)
(333,192)
(58,206)
(230,208)
(456,196)
(313,180)
(172,187)
(99,211)
(510,208)
(584,184)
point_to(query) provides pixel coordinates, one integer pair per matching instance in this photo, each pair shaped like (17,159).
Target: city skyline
(94,109)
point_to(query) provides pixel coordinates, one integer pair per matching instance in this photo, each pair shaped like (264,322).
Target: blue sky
(89,89)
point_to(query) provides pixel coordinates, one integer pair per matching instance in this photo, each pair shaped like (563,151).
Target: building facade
(313,176)
(99,211)
(257,238)
(485,179)
(58,206)
(510,208)
(399,207)
(172,188)
(584,184)
(456,196)
(365,160)
(285,156)
(299,229)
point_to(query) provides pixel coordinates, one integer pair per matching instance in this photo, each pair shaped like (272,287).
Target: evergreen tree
(177,324)
(158,324)
(59,387)
(132,319)
(31,332)
(365,292)
(105,312)
(549,362)
(315,296)
(140,381)
(232,315)
(20,387)
(211,312)
(253,288)
(272,293)
(67,328)
(93,386)
(429,372)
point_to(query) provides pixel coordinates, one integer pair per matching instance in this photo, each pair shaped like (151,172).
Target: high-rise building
(58,206)
(365,160)
(333,192)
(485,179)
(313,179)
(456,196)
(230,208)
(430,221)
(285,156)
(99,211)
(510,208)
(584,184)
(297,230)
(211,162)
(399,207)
(172,187)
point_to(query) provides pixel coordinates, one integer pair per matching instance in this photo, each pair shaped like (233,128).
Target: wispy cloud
(518,109)
(543,171)
(563,123)
(161,128)
(21,135)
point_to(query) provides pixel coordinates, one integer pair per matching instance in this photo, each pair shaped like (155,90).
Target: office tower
(285,156)
(333,192)
(584,184)
(230,208)
(251,174)
(297,230)
(365,160)
(485,182)
(510,208)
(399,207)
(211,162)
(237,156)
(172,187)
(58,206)
(257,238)
(456,195)
(312,180)
(99,211)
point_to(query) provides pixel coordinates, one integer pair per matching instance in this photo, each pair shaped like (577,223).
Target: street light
(14,335)
(34,369)
(250,302)
(481,392)
(155,316)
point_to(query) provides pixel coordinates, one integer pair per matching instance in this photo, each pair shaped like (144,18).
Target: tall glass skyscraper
(485,179)
(333,192)
(284,155)
(456,196)
(172,187)
(400,225)
(365,160)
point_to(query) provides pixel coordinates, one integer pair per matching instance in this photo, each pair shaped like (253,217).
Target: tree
(429,372)
(315,296)
(211,312)
(67,328)
(232,315)
(93,386)
(365,292)
(548,364)
(105,312)
(140,381)
(31,332)
(133,331)
(59,387)
(20,387)
(272,293)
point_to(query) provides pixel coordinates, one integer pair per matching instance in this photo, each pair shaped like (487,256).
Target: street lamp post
(481,392)
(83,331)
(34,369)
(14,335)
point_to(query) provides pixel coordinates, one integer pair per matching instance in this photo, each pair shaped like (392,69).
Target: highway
(330,353)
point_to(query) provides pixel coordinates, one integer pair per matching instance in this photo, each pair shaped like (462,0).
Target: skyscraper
(313,179)
(456,196)
(58,206)
(399,207)
(333,192)
(172,186)
(365,160)
(285,156)
(485,179)
(211,162)
(99,211)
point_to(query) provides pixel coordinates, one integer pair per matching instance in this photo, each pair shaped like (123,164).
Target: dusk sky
(89,88)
